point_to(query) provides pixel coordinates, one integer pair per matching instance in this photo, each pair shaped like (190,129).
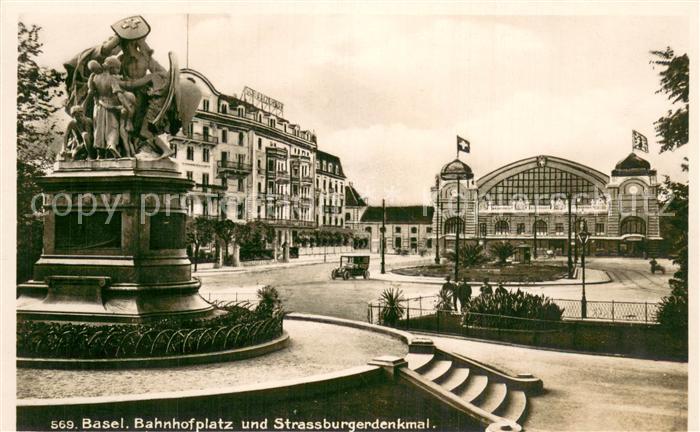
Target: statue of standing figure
(129,97)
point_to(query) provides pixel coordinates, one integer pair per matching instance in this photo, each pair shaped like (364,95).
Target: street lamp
(583,237)
(382,230)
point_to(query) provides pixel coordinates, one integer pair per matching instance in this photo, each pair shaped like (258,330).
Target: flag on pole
(462,145)
(639,142)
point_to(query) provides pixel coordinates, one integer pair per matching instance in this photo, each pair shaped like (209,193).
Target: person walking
(501,290)
(486,287)
(448,292)
(464,292)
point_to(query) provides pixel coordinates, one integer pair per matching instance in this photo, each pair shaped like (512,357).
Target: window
(347,216)
(559,228)
(190,130)
(521,228)
(174,147)
(224,182)
(224,156)
(241,111)
(223,108)
(205,178)
(453,224)
(414,230)
(259,143)
(273,123)
(540,227)
(205,155)
(190,153)
(190,175)
(241,185)
(600,229)
(397,230)
(224,135)
(633,225)
(240,210)
(205,133)
(429,243)
(205,104)
(502,227)
(482,229)
(397,243)
(241,139)
(428,230)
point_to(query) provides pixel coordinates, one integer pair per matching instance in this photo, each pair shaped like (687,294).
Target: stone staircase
(493,398)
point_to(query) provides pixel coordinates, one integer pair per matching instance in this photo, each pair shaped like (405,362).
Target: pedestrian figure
(464,293)
(486,287)
(653,264)
(501,290)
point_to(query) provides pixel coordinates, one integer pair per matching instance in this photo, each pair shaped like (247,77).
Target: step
(436,369)
(514,406)
(418,361)
(455,378)
(474,387)
(492,397)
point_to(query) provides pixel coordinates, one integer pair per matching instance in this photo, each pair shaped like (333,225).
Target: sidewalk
(593,277)
(391,260)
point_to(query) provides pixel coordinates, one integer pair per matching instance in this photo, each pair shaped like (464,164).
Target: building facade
(330,190)
(536,200)
(248,162)
(409,229)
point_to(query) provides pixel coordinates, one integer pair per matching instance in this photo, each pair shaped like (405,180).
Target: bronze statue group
(120,98)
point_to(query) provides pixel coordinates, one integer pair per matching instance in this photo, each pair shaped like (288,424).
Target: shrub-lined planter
(237,327)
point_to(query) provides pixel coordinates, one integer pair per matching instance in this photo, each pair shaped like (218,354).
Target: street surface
(308,288)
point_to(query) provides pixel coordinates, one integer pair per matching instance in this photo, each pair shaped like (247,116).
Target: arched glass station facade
(531,201)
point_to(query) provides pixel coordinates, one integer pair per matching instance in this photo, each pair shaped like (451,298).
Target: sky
(389,92)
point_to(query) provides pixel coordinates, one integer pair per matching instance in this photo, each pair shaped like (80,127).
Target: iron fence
(613,311)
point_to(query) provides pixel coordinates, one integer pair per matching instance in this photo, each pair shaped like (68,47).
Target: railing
(201,137)
(234,165)
(613,311)
(289,222)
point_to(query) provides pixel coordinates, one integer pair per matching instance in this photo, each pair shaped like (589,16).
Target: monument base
(114,248)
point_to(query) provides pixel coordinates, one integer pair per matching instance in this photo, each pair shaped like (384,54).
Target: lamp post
(439,222)
(569,260)
(382,230)
(583,236)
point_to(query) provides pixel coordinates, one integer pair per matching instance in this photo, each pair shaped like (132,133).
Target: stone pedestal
(114,245)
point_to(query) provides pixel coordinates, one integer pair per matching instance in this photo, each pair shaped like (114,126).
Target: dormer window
(273,123)
(260,117)
(241,111)
(223,108)
(205,105)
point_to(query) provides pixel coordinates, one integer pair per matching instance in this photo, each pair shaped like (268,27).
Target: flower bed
(240,325)
(495,273)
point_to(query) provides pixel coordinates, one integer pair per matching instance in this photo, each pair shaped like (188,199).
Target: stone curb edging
(430,280)
(158,362)
(403,336)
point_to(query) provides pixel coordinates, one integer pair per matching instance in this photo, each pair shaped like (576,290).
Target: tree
(503,250)
(37,89)
(672,129)
(200,231)
(227,231)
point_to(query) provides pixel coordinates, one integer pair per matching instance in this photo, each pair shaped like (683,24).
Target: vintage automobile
(351,266)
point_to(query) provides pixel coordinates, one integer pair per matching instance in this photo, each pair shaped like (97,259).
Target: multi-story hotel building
(531,202)
(249,162)
(330,190)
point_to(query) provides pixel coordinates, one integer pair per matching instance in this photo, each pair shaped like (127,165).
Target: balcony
(278,176)
(238,169)
(199,138)
(288,223)
(282,198)
(555,207)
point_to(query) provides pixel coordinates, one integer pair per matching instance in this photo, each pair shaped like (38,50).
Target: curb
(429,280)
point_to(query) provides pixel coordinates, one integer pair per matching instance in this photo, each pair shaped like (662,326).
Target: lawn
(533,272)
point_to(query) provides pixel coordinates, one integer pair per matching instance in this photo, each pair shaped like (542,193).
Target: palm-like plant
(444,300)
(269,301)
(502,250)
(391,310)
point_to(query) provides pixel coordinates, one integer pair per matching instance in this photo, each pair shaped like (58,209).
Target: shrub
(269,301)
(517,304)
(444,300)
(673,313)
(391,308)
(502,250)
(469,255)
